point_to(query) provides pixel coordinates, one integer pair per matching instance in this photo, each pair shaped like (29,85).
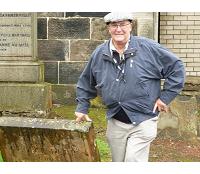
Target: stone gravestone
(21,75)
(26,131)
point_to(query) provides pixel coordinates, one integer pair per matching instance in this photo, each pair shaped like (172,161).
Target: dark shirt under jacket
(121,115)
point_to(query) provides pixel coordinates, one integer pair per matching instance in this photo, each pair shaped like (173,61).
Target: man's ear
(109,31)
(131,27)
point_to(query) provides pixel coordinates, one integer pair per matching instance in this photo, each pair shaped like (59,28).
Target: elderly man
(127,71)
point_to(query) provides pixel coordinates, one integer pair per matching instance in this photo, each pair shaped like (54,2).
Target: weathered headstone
(21,74)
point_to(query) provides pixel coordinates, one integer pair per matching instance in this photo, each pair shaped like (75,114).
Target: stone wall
(65,42)
(180,32)
(65,38)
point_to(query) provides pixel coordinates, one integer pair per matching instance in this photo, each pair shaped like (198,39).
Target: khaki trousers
(130,143)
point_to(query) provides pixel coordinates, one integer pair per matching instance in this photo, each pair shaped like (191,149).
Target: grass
(103,150)
(1,158)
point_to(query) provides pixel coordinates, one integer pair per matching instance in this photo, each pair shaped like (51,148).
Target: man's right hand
(82,117)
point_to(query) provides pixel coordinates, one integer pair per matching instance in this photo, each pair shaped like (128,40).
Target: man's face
(120,31)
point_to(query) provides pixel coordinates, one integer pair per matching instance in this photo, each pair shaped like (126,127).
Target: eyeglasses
(121,25)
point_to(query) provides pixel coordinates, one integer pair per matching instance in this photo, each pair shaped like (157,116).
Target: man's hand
(82,117)
(160,106)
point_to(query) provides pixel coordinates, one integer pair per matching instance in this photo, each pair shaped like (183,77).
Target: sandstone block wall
(68,38)
(65,43)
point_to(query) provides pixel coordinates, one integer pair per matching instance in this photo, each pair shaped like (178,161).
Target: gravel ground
(171,147)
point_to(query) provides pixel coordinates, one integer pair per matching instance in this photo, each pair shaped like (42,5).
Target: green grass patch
(103,150)
(1,158)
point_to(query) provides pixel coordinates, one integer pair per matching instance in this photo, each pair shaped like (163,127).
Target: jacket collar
(131,51)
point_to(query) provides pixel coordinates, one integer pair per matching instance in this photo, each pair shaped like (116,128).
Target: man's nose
(118,28)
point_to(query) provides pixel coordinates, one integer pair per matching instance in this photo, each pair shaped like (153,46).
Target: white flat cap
(120,16)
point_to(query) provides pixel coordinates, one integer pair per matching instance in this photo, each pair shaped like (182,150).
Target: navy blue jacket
(146,63)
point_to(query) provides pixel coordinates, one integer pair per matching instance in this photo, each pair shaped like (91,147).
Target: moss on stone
(97,103)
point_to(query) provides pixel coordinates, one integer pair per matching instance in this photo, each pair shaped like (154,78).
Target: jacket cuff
(167,96)
(82,108)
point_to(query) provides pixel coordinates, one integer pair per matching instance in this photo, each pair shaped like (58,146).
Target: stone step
(23,71)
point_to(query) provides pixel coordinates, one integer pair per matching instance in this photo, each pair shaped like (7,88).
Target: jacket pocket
(144,87)
(109,93)
(140,104)
(134,91)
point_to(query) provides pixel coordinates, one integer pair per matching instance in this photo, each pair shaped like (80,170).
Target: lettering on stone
(15,34)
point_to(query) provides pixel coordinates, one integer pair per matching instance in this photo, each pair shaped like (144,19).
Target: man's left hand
(160,106)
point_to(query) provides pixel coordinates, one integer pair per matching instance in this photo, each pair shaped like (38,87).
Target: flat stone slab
(43,123)
(39,139)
